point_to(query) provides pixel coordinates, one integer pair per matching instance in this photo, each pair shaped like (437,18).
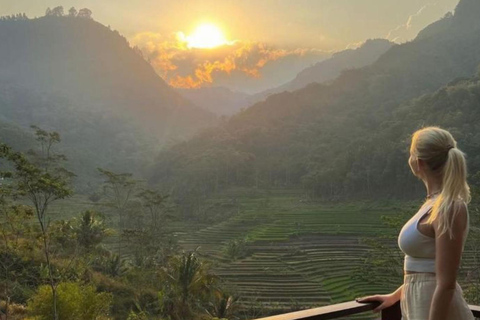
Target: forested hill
(331,68)
(345,138)
(84,61)
(73,75)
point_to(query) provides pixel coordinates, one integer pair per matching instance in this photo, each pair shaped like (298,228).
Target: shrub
(74,302)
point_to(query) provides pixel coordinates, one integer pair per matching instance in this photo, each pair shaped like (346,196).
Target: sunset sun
(205,36)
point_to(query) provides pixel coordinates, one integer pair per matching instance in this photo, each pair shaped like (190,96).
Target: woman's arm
(448,254)
(398,293)
(386,300)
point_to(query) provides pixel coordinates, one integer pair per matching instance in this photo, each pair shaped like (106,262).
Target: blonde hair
(438,149)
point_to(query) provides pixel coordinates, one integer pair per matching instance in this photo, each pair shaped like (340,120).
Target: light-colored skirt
(417,297)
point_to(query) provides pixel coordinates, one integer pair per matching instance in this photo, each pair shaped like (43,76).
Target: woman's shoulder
(460,205)
(458,216)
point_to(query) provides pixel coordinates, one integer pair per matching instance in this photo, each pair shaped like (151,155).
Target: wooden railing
(347,309)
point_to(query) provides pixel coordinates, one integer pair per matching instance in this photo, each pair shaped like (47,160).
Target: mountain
(341,139)
(223,101)
(86,62)
(218,100)
(76,76)
(89,138)
(331,68)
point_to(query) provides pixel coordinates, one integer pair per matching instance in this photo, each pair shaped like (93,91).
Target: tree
(15,17)
(153,204)
(146,237)
(72,12)
(119,188)
(42,182)
(188,287)
(112,265)
(56,12)
(85,13)
(91,230)
(236,248)
(15,273)
(223,306)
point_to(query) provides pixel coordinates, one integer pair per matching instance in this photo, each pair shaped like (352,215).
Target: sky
(292,34)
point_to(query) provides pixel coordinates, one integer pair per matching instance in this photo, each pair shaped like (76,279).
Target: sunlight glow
(205,36)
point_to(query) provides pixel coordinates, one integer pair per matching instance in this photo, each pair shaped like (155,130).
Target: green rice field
(300,254)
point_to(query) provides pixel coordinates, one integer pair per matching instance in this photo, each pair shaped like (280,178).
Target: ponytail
(455,190)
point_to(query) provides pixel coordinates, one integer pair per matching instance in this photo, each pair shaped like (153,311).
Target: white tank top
(419,249)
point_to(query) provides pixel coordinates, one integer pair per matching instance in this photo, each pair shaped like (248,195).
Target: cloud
(416,22)
(355,45)
(186,67)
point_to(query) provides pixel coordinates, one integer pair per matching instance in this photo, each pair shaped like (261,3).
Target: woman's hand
(386,300)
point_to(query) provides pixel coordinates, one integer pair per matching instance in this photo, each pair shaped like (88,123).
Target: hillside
(219,100)
(89,138)
(88,63)
(335,140)
(331,68)
(223,101)
(80,78)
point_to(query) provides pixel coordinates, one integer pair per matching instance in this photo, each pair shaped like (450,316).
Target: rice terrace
(300,253)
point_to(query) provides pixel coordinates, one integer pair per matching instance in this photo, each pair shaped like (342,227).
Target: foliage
(223,306)
(188,287)
(145,245)
(119,188)
(153,203)
(75,302)
(91,230)
(236,249)
(18,276)
(12,311)
(137,316)
(42,181)
(112,265)
(123,293)
(15,17)
(63,238)
(84,13)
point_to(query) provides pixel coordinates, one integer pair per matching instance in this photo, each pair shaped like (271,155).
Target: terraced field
(300,254)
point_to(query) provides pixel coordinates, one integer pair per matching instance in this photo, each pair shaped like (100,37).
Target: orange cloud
(185,67)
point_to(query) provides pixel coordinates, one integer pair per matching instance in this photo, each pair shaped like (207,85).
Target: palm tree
(188,287)
(91,230)
(223,306)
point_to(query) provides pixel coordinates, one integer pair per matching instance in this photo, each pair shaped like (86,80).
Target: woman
(434,238)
